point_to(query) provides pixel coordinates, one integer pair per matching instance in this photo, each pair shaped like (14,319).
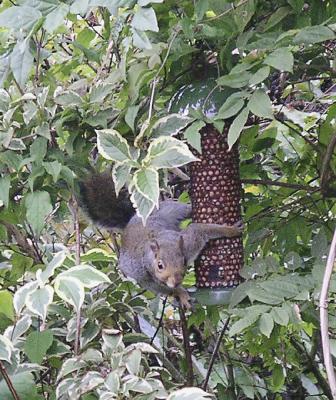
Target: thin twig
(269,182)
(324,317)
(214,354)
(77,231)
(187,349)
(325,164)
(233,7)
(164,302)
(8,381)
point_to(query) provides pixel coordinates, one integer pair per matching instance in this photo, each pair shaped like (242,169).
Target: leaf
(30,110)
(193,135)
(38,149)
(190,393)
(237,126)
(278,378)
(5,182)
(168,152)
(260,104)
(24,385)
(6,304)
(6,348)
(38,207)
(132,361)
(266,324)
(142,204)
(146,181)
(20,18)
(243,323)
(260,75)
(281,59)
(21,294)
(112,146)
(130,116)
(280,316)
(54,169)
(121,175)
(39,300)
(314,34)
(235,79)
(140,39)
(112,382)
(277,17)
(71,365)
(145,20)
(56,18)
(144,3)
(231,107)
(14,332)
(21,61)
(70,290)
(170,125)
(88,276)
(69,98)
(37,344)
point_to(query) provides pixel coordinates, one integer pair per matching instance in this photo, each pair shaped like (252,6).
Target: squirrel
(155,255)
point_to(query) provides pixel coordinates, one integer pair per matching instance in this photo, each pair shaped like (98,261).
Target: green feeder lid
(211,297)
(205,96)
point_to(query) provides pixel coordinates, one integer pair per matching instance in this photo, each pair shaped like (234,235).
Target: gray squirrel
(155,255)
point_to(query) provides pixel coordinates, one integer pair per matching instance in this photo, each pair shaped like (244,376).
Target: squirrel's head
(168,262)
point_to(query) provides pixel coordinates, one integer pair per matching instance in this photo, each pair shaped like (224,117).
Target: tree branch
(324,317)
(8,381)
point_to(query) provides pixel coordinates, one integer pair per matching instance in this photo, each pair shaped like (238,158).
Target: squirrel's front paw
(183,297)
(239,226)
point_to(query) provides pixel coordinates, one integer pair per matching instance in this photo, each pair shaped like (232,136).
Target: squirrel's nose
(174,281)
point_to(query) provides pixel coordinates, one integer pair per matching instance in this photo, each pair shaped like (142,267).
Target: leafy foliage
(88,82)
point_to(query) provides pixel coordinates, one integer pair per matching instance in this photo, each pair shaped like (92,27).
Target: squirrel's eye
(160,265)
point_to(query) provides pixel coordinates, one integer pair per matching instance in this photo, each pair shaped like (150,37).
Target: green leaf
(21,61)
(54,169)
(5,182)
(281,59)
(277,17)
(37,344)
(266,324)
(145,20)
(56,18)
(30,110)
(130,116)
(6,348)
(142,204)
(71,290)
(24,385)
(260,104)
(140,39)
(18,18)
(193,135)
(38,207)
(168,152)
(112,146)
(21,294)
(170,125)
(38,149)
(243,323)
(280,316)
(260,75)
(278,378)
(69,98)
(146,181)
(314,34)
(39,300)
(235,80)
(88,276)
(237,126)
(6,304)
(231,107)
(121,175)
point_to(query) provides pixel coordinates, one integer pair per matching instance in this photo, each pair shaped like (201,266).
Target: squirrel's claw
(239,225)
(183,297)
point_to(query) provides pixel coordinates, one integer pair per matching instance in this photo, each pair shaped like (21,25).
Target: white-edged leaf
(140,39)
(38,206)
(133,360)
(190,393)
(193,135)
(120,175)
(260,104)
(266,324)
(281,59)
(112,146)
(21,294)
(21,61)
(68,98)
(6,348)
(168,152)
(39,300)
(112,382)
(131,113)
(14,332)
(260,75)
(231,107)
(142,204)
(170,125)
(56,18)
(146,181)
(237,126)
(70,365)
(20,18)
(88,276)
(145,20)
(71,290)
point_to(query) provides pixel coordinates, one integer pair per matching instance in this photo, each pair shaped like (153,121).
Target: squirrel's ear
(154,245)
(181,244)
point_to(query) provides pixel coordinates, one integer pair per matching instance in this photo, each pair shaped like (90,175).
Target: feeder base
(211,297)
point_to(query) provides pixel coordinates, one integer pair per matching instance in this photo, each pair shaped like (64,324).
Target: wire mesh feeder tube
(215,196)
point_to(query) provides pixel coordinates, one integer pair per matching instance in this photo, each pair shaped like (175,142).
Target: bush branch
(8,381)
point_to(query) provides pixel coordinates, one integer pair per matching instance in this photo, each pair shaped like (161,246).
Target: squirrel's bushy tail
(99,201)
